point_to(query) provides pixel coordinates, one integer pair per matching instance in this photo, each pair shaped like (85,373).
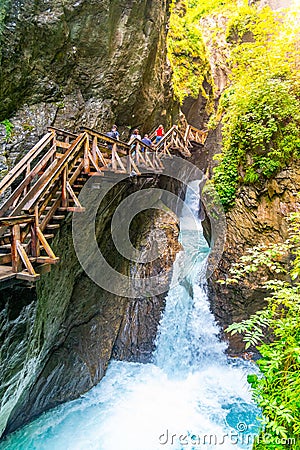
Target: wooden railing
(40,189)
(173,140)
(24,255)
(193,134)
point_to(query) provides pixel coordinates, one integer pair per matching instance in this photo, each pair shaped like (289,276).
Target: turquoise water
(191,396)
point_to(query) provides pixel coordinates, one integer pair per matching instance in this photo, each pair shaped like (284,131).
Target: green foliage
(277,390)
(261,119)
(186,52)
(8,129)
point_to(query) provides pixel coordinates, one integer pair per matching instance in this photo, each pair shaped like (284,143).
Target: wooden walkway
(43,187)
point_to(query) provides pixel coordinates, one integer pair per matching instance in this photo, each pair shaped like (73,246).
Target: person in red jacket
(159,133)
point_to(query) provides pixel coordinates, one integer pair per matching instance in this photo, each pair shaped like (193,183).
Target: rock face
(58,341)
(85,63)
(260,212)
(259,217)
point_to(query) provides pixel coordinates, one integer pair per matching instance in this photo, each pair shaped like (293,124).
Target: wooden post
(86,160)
(35,244)
(128,162)
(137,159)
(113,157)
(26,175)
(64,198)
(94,150)
(15,257)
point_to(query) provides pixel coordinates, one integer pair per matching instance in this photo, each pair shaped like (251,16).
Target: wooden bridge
(43,187)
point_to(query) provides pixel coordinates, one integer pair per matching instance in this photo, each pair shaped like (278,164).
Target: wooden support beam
(25,259)
(15,256)
(86,155)
(34,242)
(45,244)
(120,162)
(64,197)
(113,157)
(94,151)
(74,197)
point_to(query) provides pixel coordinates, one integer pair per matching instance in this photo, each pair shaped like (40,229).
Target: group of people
(159,134)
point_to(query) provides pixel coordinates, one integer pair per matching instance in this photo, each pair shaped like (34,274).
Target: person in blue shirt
(146,140)
(113,134)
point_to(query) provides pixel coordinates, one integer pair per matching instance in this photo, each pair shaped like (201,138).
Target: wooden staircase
(44,186)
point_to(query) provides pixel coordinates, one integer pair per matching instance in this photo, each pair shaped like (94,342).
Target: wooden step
(44,260)
(59,217)
(52,226)
(48,236)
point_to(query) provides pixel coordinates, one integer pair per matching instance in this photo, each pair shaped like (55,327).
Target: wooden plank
(62,144)
(23,186)
(134,166)
(46,260)
(113,158)
(120,162)
(86,160)
(73,209)
(5,258)
(101,157)
(93,162)
(24,276)
(36,190)
(9,221)
(104,137)
(6,273)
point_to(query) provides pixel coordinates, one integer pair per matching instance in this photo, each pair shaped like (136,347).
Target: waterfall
(188,334)
(191,396)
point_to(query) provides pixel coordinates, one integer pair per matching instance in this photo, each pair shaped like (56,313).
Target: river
(192,396)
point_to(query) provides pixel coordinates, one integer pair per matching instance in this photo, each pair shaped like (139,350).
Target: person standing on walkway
(113,134)
(146,140)
(159,133)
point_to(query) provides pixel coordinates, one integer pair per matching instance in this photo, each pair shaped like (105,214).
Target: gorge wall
(261,206)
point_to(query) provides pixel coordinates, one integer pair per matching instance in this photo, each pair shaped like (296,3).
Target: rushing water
(191,397)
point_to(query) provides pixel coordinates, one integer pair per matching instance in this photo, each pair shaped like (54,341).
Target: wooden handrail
(22,165)
(38,190)
(9,221)
(104,137)
(18,191)
(59,131)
